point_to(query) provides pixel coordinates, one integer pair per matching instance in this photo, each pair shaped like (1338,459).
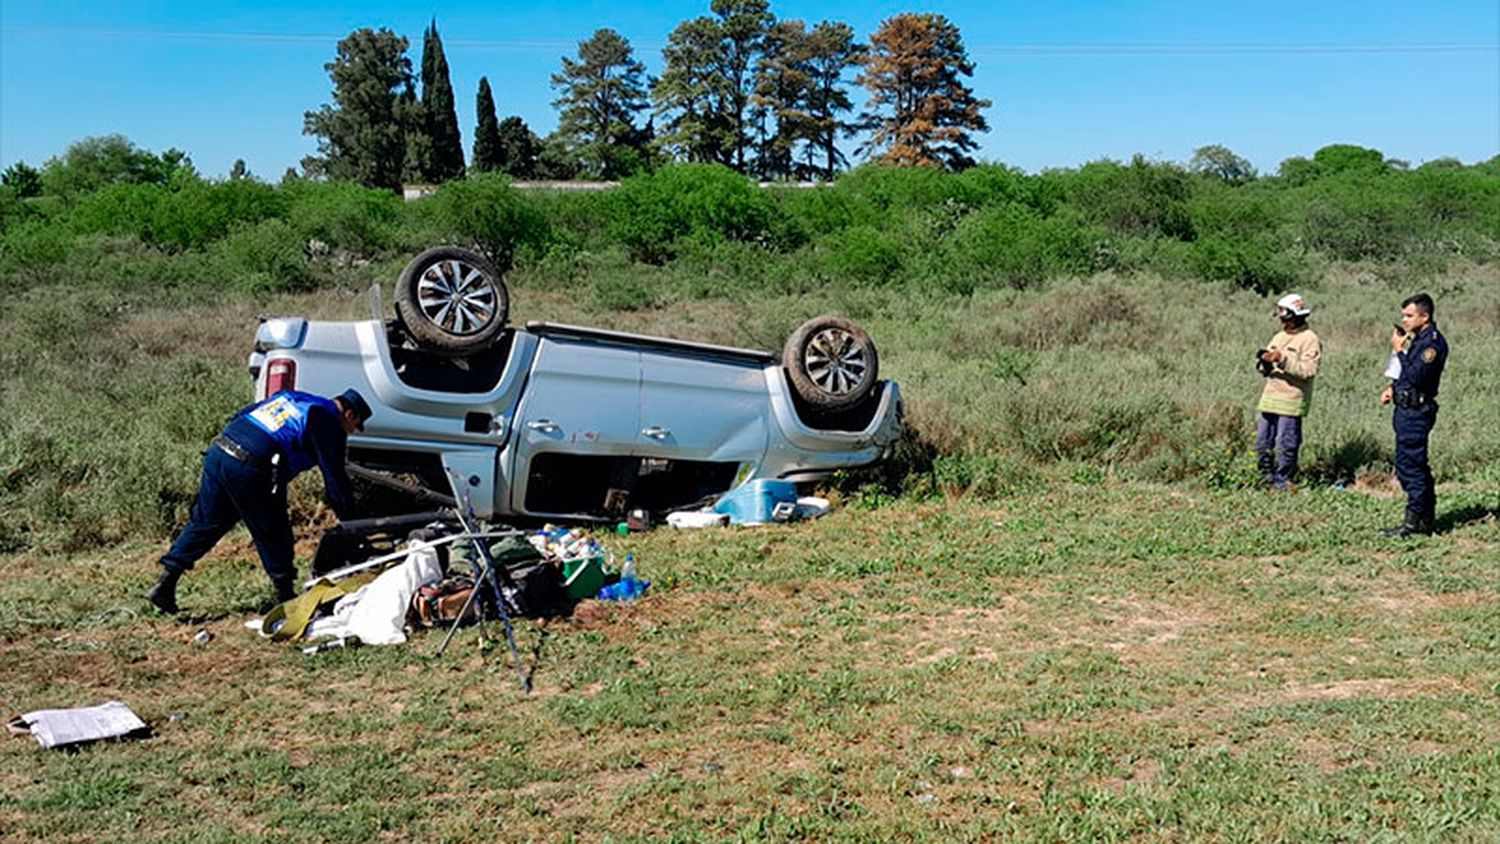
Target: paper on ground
(60,727)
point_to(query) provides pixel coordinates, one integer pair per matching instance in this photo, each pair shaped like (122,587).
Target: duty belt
(235,450)
(1410,399)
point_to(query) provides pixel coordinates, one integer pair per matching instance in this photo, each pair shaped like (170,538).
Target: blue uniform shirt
(306,431)
(1422,363)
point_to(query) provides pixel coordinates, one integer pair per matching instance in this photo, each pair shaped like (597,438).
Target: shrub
(487,213)
(1245,262)
(198,212)
(1142,198)
(35,243)
(266,257)
(190,215)
(1015,246)
(863,254)
(1352,218)
(346,216)
(652,211)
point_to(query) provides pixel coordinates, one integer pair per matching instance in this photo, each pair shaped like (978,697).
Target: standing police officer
(245,476)
(1422,352)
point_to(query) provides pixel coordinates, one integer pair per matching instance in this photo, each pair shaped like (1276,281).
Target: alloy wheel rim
(457,296)
(835,362)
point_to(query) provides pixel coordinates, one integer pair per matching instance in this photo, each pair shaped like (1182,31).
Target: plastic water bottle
(628,588)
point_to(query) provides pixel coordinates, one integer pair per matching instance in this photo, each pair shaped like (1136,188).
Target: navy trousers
(1278,439)
(233,491)
(1413,425)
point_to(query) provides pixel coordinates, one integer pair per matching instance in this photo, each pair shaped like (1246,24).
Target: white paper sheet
(59,727)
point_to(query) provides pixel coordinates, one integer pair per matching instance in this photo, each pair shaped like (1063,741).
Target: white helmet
(1293,302)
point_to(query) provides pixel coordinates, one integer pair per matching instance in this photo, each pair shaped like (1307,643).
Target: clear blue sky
(1070,82)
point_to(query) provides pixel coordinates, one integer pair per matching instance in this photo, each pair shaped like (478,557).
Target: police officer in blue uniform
(245,475)
(1422,352)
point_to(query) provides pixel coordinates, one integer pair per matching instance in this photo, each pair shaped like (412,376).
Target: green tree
(779,104)
(599,95)
(920,112)
(239,170)
(447,160)
(487,131)
(830,52)
(361,136)
(518,149)
(1221,163)
(416,162)
(555,160)
(95,162)
(689,94)
(742,29)
(22,178)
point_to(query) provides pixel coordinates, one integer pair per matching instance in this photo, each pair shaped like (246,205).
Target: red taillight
(281,374)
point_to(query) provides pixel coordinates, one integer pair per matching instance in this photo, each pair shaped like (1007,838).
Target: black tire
(832,363)
(452,301)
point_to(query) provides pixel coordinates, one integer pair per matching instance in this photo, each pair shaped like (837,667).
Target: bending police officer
(1422,352)
(245,475)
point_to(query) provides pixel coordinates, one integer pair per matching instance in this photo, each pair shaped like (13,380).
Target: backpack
(441,602)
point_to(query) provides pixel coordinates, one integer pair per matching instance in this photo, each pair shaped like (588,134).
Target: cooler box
(759,502)
(583,577)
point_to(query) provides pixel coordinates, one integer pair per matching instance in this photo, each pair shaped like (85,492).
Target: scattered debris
(203,637)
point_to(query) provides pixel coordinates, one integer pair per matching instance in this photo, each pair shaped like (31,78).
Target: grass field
(1096,661)
(1076,624)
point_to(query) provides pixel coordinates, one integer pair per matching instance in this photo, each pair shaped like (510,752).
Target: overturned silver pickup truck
(563,422)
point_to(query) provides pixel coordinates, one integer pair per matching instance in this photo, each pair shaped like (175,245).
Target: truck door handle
(656,432)
(546,426)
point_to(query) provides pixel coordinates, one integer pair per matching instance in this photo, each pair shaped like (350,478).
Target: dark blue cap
(352,400)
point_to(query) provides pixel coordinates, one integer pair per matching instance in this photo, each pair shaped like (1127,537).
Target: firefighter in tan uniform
(1289,363)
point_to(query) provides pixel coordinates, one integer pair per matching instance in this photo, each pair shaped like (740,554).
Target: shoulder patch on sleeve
(1429,355)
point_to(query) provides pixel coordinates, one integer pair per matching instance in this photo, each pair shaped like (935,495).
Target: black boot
(1265,463)
(1415,525)
(285,592)
(163,595)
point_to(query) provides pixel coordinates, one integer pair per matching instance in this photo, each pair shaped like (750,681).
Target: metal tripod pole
(487,573)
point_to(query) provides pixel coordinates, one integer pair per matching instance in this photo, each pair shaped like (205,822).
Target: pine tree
(447,160)
(487,132)
(777,105)
(360,137)
(239,170)
(690,93)
(742,30)
(920,113)
(599,96)
(830,52)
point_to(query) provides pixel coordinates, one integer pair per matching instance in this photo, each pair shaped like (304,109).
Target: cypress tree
(438,110)
(487,132)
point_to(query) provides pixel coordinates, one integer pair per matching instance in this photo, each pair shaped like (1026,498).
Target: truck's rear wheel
(452,301)
(832,363)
